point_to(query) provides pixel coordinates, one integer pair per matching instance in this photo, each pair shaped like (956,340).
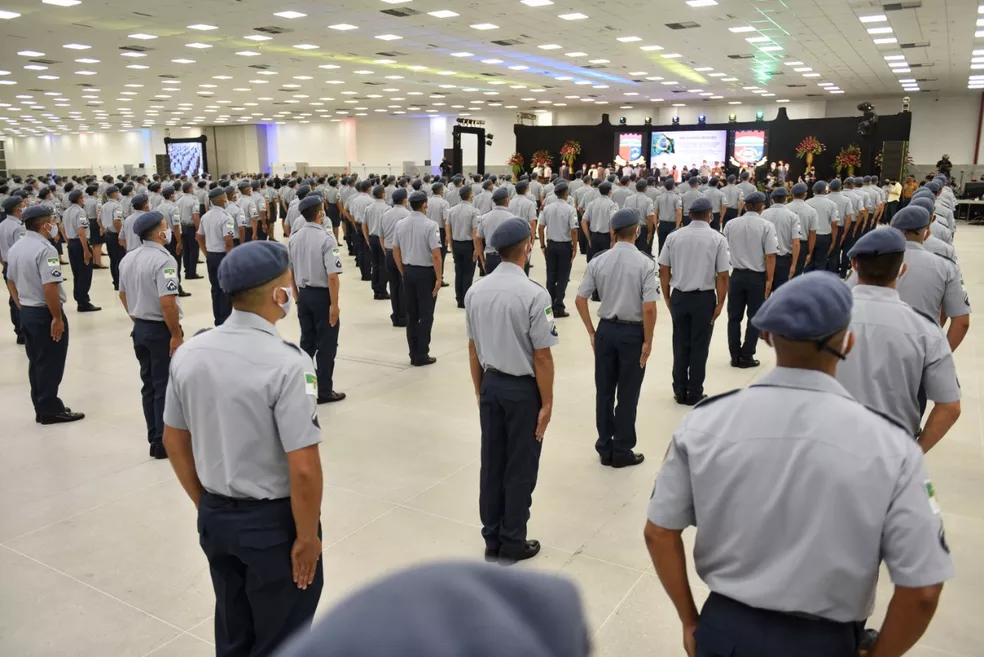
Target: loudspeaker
(893,159)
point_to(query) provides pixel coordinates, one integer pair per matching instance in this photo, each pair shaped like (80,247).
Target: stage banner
(688,149)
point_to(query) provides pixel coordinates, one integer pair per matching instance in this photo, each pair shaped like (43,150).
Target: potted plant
(807,148)
(516,161)
(541,159)
(848,158)
(569,151)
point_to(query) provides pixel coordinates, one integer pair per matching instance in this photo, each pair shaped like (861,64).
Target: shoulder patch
(714,398)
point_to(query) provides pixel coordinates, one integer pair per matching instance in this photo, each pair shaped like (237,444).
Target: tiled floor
(98,549)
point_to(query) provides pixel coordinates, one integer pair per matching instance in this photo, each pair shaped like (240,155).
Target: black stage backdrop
(598,142)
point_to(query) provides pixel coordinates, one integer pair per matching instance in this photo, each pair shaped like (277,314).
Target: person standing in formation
(557,228)
(463,226)
(215,239)
(387,239)
(417,253)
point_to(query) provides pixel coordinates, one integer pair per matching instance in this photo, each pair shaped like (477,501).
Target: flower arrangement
(541,159)
(516,160)
(849,158)
(570,150)
(810,145)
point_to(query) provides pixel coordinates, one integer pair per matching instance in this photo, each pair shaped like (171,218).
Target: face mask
(167,236)
(53,231)
(289,294)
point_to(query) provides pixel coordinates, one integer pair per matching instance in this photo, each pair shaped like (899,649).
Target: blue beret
(229,190)
(819,187)
(126,189)
(139,200)
(694,181)
(744,175)
(924,192)
(314,194)
(11,202)
(669,183)
(378,191)
(799,188)
(835,184)
(778,192)
(437,188)
(145,221)
(399,196)
(605,188)
(878,242)
(509,232)
(559,188)
(202,183)
(310,201)
(923,202)
(457,178)
(167,192)
(112,189)
(418,196)
(218,191)
(487,184)
(36,211)
(625,217)
(731,178)
(911,217)
(641,185)
(612,178)
(866,179)
(700,205)
(244,184)
(712,181)
(813,306)
(416,184)
(493,178)
(500,194)
(252,264)
(755,197)
(74,195)
(522,186)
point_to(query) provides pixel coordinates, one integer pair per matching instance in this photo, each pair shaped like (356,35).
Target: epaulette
(934,322)
(293,346)
(889,419)
(714,398)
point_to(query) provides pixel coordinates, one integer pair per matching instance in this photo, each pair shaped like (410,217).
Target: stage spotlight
(488,142)
(649,120)
(621,120)
(732,118)
(701,119)
(759,115)
(676,120)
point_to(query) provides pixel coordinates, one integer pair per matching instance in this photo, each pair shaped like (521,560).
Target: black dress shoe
(421,362)
(193,277)
(100,267)
(491,554)
(680,399)
(746,363)
(693,400)
(399,324)
(606,460)
(444,284)
(333,397)
(157,451)
(561,313)
(61,418)
(20,339)
(735,361)
(635,459)
(461,305)
(182,293)
(529,550)
(89,308)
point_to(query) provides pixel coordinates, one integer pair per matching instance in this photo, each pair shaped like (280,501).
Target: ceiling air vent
(492,75)
(686,25)
(741,56)
(135,48)
(272,29)
(168,76)
(925,79)
(594,67)
(138,13)
(262,67)
(507,42)
(814,95)
(899,6)
(914,44)
(795,86)
(401,12)
(392,54)
(921,65)
(49,62)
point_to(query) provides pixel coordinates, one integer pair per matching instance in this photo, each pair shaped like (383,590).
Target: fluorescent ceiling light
(734,102)
(443,13)
(183,61)
(342,27)
(306,46)
(811,75)
(907,80)
(290,14)
(669,82)
(803,69)
(200,46)
(576,54)
(889,58)
(47,77)
(576,16)
(485,26)
(650,48)
(628,39)
(898,64)
(703,69)
(518,68)
(770,48)
(701,3)
(76,46)
(132,54)
(907,70)
(638,73)
(36,67)
(142,36)
(549,46)
(446,73)
(672,55)
(879,30)
(729,79)
(537,3)
(138,67)
(679,104)
(62,3)
(599,61)
(758,39)
(876,18)
(85,72)
(247,53)
(30,53)
(741,28)
(654,78)
(562,78)
(87,60)
(202,26)
(7,15)
(793,63)
(886,40)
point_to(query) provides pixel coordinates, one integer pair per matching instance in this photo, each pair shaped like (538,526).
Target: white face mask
(289,294)
(167,236)
(53,230)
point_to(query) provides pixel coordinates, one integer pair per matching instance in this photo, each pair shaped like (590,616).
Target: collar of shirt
(794,377)
(246,319)
(509,269)
(876,293)
(153,245)
(625,245)
(700,225)
(36,235)
(307,224)
(914,245)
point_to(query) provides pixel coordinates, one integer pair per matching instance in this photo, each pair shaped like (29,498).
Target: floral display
(849,158)
(810,145)
(516,160)
(541,159)
(570,150)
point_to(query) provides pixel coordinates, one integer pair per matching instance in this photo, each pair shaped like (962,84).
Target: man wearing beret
(215,239)
(11,230)
(248,458)
(417,254)
(78,231)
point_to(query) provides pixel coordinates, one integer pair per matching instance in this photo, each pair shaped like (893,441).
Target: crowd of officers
(718,243)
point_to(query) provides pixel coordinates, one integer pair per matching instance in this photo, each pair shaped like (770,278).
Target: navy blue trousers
(151,345)
(221,303)
(617,350)
(692,329)
(46,359)
(319,339)
(559,261)
(464,268)
(14,310)
(81,272)
(746,292)
(418,284)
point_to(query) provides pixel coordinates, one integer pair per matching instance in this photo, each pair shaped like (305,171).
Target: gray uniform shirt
(131,238)
(92,206)
(941,209)
(827,214)
(845,206)
(109,213)
(75,222)
(795,513)
(216,225)
(809,219)
(599,214)
(463,219)
(931,283)
(417,237)
(620,194)
(170,211)
(483,201)
(147,274)
(453,196)
(939,230)
(187,207)
(667,205)
(266,408)
(437,210)
(388,223)
(695,254)
(11,230)
(489,222)
(787,227)
(314,255)
(374,214)
(31,263)
(357,206)
(625,278)
(508,317)
(896,352)
(940,248)
(750,239)
(716,197)
(745,188)
(558,220)
(687,198)
(642,204)
(732,196)
(523,208)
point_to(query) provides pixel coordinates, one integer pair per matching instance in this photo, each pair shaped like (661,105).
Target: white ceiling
(355,73)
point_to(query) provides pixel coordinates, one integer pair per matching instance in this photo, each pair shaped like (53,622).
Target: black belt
(675,290)
(150,321)
(492,370)
(616,320)
(429,267)
(243,501)
(598,232)
(748,271)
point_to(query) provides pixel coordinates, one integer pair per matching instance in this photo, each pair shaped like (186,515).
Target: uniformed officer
(148,290)
(828,225)
(510,327)
(487,225)
(128,239)
(92,207)
(521,206)
(248,458)
(111,220)
(900,357)
(215,240)
(625,280)
(77,231)
(746,187)
(355,210)
(669,212)
(621,191)
(695,265)
(372,226)
(809,224)
(557,229)
(463,220)
(437,211)
(734,201)
(251,229)
(596,221)
(641,203)
(172,215)
(753,245)
(483,199)
(34,280)
(692,194)
(189,212)
(930,284)
(792,561)
(387,237)
(788,235)
(11,230)
(316,264)
(714,194)
(417,253)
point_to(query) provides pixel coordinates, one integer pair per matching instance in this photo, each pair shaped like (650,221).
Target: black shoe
(561,313)
(192,277)
(491,554)
(332,397)
(746,363)
(366,278)
(182,293)
(61,418)
(399,324)
(20,339)
(735,361)
(89,308)
(99,267)
(606,460)
(693,400)
(157,451)
(529,550)
(116,288)
(680,399)
(444,284)
(635,459)
(421,362)
(461,304)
